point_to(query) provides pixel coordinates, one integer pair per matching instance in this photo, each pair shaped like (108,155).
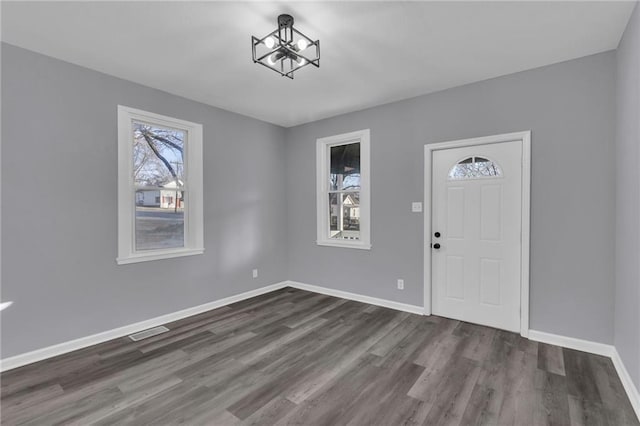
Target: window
(160,196)
(475,168)
(343,190)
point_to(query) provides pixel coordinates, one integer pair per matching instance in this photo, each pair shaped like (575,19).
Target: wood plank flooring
(294,357)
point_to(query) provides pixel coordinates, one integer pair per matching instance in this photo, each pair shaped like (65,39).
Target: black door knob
(437,235)
(436,246)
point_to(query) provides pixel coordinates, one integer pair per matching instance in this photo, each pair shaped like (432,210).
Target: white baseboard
(629,387)
(83,342)
(358,297)
(539,336)
(598,349)
(572,343)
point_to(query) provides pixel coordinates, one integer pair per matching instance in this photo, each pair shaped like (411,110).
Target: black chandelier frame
(285,51)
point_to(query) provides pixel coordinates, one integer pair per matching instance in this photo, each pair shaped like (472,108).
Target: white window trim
(194,218)
(322,188)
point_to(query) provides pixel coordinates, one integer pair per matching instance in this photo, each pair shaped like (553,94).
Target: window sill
(344,244)
(158,255)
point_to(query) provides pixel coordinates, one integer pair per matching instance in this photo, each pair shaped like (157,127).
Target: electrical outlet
(416,207)
(255,273)
(400,284)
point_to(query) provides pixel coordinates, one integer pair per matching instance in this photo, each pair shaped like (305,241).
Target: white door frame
(525,139)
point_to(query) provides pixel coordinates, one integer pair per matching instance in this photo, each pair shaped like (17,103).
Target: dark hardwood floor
(293,357)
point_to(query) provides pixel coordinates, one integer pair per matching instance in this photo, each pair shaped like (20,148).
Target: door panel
(455,277)
(455,219)
(491,213)
(490,281)
(476,207)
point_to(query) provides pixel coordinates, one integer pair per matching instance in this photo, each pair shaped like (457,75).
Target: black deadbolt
(437,235)
(436,246)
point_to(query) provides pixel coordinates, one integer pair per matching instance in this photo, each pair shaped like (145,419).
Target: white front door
(476,234)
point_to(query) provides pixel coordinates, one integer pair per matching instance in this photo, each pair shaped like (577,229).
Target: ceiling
(372,52)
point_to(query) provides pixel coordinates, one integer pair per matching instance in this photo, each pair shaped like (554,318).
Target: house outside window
(343,191)
(159,163)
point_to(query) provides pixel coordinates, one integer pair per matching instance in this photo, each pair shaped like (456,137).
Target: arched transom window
(475,168)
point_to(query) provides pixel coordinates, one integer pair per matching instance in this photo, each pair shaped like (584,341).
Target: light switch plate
(416,207)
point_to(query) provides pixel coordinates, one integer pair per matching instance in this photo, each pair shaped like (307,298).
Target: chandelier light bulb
(302,44)
(301,61)
(271,59)
(269,42)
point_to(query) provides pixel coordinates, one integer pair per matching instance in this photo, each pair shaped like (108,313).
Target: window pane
(158,173)
(344,216)
(158,227)
(157,155)
(345,167)
(473,168)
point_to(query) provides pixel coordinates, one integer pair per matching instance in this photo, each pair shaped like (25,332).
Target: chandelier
(285,50)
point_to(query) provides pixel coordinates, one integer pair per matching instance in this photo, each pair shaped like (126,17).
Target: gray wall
(627,294)
(59,198)
(59,166)
(570,109)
